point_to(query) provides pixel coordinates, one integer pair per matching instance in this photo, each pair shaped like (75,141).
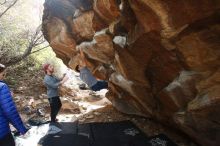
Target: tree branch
(33,43)
(8,7)
(40,49)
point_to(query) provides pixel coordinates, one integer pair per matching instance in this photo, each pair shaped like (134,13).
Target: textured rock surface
(161,58)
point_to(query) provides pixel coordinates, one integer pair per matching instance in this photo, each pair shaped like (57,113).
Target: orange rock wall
(161,58)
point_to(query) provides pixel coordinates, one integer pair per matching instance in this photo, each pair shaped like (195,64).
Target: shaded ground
(109,114)
(148,126)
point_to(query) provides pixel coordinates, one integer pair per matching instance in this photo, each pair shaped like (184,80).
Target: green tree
(20,32)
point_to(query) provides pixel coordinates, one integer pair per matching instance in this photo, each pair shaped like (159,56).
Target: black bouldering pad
(123,133)
(160,140)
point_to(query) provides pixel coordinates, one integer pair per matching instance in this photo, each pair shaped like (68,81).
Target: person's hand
(64,80)
(19,134)
(64,75)
(12,93)
(78,49)
(25,135)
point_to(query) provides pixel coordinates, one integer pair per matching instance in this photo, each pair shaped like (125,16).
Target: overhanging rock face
(162,58)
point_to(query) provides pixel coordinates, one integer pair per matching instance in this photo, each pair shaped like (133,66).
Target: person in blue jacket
(8,113)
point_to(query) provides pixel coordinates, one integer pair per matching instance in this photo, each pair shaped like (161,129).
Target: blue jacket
(8,112)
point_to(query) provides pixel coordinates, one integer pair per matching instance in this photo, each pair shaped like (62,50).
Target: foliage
(20,31)
(21,42)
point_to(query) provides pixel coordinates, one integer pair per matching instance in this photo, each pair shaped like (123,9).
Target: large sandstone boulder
(161,58)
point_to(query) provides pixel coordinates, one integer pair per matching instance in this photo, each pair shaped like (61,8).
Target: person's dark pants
(55,105)
(100,85)
(8,140)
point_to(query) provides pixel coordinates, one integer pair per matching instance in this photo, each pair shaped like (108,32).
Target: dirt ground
(105,112)
(84,106)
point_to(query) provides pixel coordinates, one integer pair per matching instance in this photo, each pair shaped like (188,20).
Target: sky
(27,13)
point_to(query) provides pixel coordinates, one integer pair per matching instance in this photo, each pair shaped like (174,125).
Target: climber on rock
(52,83)
(87,77)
